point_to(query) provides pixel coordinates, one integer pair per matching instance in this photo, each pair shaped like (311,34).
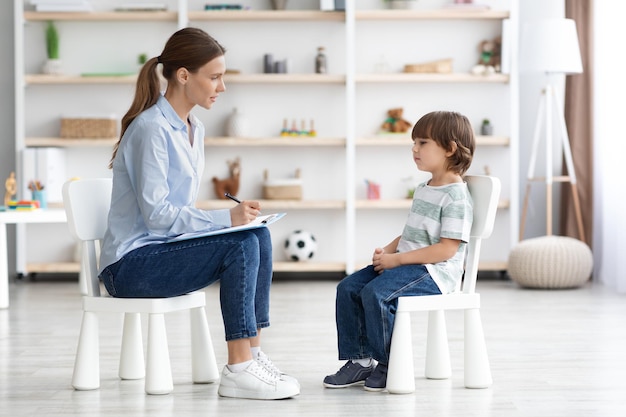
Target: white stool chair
(87,203)
(485,193)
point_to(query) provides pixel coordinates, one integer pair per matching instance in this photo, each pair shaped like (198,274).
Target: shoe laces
(263,373)
(267,363)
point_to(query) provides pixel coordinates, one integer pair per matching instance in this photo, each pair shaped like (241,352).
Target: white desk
(20,217)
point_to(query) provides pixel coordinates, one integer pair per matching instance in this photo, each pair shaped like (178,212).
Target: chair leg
(203,364)
(437,350)
(477,370)
(131,356)
(401,371)
(158,367)
(87,363)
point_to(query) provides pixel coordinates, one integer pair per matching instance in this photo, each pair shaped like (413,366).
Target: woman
(157,167)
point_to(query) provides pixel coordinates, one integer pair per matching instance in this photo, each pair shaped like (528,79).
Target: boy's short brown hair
(453,132)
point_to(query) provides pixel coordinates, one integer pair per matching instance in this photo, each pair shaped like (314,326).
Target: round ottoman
(550,262)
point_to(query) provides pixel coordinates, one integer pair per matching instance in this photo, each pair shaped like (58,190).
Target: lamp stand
(549,100)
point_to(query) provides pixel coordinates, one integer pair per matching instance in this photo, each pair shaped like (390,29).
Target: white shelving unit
(347,105)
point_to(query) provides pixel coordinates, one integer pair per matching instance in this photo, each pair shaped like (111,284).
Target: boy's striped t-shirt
(440,212)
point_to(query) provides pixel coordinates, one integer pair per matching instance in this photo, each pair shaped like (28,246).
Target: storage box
(284,189)
(442,66)
(91,128)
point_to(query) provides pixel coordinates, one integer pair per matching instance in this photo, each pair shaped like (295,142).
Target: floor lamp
(550,46)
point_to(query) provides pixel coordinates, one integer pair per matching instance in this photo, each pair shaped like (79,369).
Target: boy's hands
(244,212)
(382,261)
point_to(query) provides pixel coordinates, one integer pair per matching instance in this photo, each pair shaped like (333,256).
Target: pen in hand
(232,197)
(235,199)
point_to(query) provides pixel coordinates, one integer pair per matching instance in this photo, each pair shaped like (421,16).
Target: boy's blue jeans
(241,261)
(366,308)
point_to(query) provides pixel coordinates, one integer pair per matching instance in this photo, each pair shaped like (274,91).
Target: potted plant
(400,4)
(53,64)
(486,128)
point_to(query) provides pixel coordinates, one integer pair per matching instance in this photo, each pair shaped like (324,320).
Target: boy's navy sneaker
(349,374)
(377,381)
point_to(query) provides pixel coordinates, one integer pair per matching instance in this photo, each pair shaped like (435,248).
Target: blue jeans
(241,261)
(366,307)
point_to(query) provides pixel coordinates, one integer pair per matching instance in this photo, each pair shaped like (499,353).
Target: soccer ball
(300,245)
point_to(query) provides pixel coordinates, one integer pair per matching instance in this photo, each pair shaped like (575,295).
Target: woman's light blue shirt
(156,179)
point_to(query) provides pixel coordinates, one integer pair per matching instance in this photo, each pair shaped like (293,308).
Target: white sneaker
(255,382)
(266,362)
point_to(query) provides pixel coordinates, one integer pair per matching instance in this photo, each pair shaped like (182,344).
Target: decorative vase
(237,125)
(401,4)
(53,67)
(279,4)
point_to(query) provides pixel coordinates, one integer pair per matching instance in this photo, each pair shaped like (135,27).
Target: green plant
(142,59)
(52,41)
(486,121)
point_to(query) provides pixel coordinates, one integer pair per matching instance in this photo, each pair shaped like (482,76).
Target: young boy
(426,259)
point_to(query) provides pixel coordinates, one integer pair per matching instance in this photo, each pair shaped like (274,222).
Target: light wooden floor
(552,353)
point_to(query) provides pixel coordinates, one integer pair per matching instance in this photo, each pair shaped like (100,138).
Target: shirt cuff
(221,217)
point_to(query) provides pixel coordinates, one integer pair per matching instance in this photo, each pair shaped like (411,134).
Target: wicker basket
(286,189)
(443,66)
(92,128)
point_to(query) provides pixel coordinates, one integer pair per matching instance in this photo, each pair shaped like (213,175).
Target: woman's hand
(244,212)
(382,261)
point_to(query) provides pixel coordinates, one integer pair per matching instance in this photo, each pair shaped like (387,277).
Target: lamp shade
(550,46)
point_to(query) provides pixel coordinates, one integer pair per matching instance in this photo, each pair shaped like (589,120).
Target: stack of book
(62,5)
(23,205)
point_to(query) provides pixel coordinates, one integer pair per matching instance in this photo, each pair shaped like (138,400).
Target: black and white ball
(300,245)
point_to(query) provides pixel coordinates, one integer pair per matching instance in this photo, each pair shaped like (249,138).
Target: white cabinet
(347,105)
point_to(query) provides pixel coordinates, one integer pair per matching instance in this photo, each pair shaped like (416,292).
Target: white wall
(609,242)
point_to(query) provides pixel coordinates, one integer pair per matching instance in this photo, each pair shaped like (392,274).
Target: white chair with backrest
(485,192)
(87,203)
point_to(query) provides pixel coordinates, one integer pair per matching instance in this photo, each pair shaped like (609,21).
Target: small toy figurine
(312,132)
(11,188)
(231,184)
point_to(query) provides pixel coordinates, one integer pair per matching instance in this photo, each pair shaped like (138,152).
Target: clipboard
(260,221)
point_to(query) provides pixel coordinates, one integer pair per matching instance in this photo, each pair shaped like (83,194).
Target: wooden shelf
(401,139)
(228,78)
(69,143)
(435,14)
(311,266)
(103,16)
(79,79)
(276,141)
(272,205)
(403,77)
(61,267)
(74,267)
(214,141)
(267,15)
(285,78)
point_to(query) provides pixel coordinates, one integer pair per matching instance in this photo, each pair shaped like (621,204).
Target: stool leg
(437,350)
(203,364)
(401,371)
(131,355)
(158,367)
(87,363)
(477,370)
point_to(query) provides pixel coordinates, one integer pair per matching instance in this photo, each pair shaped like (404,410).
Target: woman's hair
(189,48)
(446,129)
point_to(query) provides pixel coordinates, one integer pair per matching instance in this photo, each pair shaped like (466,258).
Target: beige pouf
(550,262)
